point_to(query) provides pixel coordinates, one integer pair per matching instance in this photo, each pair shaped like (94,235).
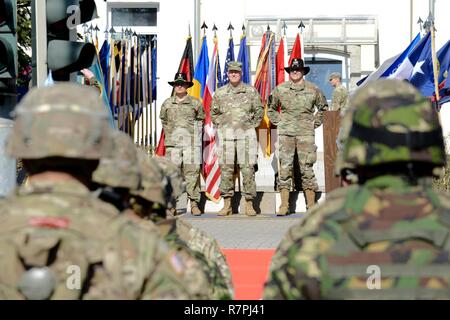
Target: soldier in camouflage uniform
(236,111)
(57,240)
(296,123)
(339,99)
(142,185)
(204,273)
(387,237)
(182,118)
(175,182)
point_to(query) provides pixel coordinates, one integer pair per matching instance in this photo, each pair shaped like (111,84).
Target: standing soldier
(236,112)
(130,172)
(296,123)
(58,241)
(390,231)
(339,100)
(182,116)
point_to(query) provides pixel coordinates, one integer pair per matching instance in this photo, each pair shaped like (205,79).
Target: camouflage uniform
(339,99)
(236,112)
(203,282)
(53,227)
(296,124)
(209,251)
(182,123)
(387,237)
(175,182)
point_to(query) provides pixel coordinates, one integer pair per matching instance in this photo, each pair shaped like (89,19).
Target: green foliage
(23,34)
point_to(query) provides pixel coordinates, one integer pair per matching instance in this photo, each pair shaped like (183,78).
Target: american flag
(230,57)
(211,169)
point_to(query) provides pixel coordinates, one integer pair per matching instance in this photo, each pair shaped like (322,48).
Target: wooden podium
(331,124)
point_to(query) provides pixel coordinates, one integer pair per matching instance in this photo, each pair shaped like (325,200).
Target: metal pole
(197,5)
(39,40)
(431,4)
(411,5)
(7,164)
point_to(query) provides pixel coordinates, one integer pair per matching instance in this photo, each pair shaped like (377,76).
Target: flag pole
(435,61)
(155,43)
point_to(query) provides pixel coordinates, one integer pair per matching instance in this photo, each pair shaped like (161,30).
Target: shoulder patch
(176,263)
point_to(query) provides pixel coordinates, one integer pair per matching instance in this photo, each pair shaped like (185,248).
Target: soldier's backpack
(55,257)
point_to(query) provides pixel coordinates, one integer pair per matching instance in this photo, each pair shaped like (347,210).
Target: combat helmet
(393,123)
(66,120)
(120,170)
(175,178)
(154,183)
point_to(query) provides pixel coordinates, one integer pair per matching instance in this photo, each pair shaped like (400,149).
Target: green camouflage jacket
(339,99)
(209,251)
(61,226)
(298,105)
(180,119)
(237,108)
(385,239)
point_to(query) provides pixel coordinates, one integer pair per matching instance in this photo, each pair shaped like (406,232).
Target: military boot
(194,208)
(226,210)
(310,198)
(249,210)
(284,206)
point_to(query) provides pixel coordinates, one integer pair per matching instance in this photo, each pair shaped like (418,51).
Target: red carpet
(249,269)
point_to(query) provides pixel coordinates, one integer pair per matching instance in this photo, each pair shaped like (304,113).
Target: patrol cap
(66,120)
(235,66)
(334,75)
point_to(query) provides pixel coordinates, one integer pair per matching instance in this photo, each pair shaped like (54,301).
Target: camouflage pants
(184,158)
(307,156)
(244,161)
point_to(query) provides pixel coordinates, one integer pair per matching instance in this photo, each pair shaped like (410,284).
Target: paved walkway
(242,232)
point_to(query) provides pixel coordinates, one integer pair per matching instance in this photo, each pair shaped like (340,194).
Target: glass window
(134,17)
(320,70)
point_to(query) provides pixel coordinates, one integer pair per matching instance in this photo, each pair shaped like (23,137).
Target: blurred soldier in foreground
(236,112)
(339,99)
(149,202)
(387,237)
(57,240)
(130,171)
(298,99)
(182,116)
(203,244)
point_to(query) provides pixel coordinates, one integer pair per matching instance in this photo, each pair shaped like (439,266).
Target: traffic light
(63,55)
(8,47)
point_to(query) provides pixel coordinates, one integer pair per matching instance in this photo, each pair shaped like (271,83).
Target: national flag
(265,82)
(281,73)
(187,67)
(229,58)
(97,71)
(423,79)
(187,62)
(104,62)
(296,49)
(406,69)
(201,72)
(211,169)
(154,70)
(244,58)
(391,65)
